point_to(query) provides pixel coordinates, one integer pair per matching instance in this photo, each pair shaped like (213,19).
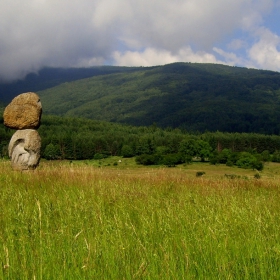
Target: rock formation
(24,149)
(24,114)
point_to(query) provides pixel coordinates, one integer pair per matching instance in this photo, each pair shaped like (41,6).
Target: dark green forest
(190,96)
(78,139)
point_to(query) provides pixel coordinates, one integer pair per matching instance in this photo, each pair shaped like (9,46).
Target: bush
(276,156)
(231,176)
(229,163)
(200,173)
(127,151)
(265,156)
(171,160)
(188,159)
(214,160)
(258,165)
(224,156)
(247,160)
(147,159)
(99,156)
(257,176)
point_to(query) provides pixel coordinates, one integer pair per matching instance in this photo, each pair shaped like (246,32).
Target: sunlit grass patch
(78,221)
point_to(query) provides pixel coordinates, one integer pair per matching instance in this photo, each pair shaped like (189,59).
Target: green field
(114,220)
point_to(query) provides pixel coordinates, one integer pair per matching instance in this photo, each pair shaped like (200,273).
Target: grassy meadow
(115,220)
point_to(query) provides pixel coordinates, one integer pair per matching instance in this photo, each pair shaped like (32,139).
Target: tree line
(80,139)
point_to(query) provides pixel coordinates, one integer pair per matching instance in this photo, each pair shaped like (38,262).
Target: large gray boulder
(24,149)
(24,112)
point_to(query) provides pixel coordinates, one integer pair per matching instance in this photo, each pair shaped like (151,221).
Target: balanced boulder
(24,149)
(24,112)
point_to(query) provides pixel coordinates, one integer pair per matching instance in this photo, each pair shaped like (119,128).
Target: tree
(188,149)
(52,151)
(265,155)
(171,160)
(276,156)
(204,150)
(145,146)
(247,160)
(127,151)
(224,155)
(257,164)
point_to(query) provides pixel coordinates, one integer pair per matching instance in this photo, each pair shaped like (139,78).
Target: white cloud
(263,53)
(237,44)
(230,58)
(37,33)
(266,52)
(151,56)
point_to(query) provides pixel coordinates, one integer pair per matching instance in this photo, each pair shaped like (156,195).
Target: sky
(83,33)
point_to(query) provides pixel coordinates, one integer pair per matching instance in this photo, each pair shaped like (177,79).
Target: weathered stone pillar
(24,114)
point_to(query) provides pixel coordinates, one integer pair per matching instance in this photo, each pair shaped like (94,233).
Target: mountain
(192,96)
(50,77)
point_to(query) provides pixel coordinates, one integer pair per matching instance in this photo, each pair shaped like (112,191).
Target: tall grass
(81,222)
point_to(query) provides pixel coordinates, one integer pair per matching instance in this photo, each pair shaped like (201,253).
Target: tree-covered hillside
(192,96)
(50,77)
(196,97)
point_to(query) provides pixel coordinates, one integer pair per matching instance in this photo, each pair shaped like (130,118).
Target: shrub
(171,160)
(229,163)
(127,151)
(188,159)
(247,160)
(276,156)
(214,160)
(224,155)
(265,156)
(257,176)
(258,165)
(99,156)
(147,159)
(200,173)
(231,176)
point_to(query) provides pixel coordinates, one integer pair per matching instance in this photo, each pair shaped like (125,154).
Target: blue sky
(82,33)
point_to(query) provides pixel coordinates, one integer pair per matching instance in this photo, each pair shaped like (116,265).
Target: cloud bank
(75,33)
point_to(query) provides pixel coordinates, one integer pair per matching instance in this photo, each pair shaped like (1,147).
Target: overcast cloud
(38,33)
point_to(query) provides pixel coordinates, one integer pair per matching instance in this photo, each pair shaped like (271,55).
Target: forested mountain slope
(197,97)
(50,77)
